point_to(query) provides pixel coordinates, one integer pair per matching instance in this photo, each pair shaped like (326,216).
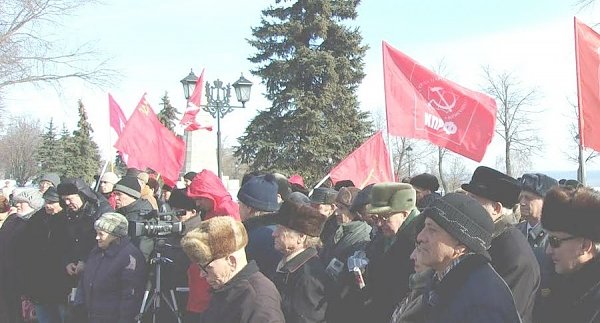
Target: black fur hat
(573,210)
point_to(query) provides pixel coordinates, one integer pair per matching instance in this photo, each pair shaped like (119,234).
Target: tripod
(154,297)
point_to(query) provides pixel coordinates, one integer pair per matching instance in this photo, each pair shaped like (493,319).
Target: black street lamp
(217,101)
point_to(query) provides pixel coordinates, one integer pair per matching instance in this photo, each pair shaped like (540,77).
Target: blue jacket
(113,283)
(261,248)
(472,292)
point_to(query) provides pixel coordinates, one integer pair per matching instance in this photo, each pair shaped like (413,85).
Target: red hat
(297,179)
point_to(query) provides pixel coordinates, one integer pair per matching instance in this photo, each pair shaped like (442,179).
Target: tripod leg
(175,305)
(172,306)
(143,307)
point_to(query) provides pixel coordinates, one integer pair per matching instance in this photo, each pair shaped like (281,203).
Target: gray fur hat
(31,196)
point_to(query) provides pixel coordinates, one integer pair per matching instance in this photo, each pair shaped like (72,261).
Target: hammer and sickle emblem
(371,173)
(442,103)
(144,108)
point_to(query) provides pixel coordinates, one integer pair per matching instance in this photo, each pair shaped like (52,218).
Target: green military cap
(392,197)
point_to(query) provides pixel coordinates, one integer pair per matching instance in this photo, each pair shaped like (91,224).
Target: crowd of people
(499,249)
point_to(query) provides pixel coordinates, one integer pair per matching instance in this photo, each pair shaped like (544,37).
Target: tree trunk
(440,169)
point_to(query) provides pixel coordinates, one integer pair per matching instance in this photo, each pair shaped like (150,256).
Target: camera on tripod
(163,224)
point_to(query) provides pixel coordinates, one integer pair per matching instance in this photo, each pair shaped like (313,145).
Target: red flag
(587,56)
(189,119)
(150,144)
(369,163)
(420,104)
(116,115)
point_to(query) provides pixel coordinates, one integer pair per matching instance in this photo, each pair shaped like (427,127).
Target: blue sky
(153,44)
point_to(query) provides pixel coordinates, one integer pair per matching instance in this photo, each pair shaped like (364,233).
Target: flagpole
(581,169)
(319,183)
(387,123)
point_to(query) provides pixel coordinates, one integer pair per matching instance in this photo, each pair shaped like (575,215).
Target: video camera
(164,224)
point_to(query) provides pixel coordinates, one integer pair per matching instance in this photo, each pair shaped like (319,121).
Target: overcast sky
(154,43)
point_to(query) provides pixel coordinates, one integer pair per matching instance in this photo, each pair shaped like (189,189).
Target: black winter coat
(45,244)
(302,284)
(514,261)
(573,298)
(472,292)
(388,273)
(249,297)
(80,224)
(11,275)
(345,298)
(139,211)
(113,283)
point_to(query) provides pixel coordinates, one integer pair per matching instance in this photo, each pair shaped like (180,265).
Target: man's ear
(497,207)
(232,261)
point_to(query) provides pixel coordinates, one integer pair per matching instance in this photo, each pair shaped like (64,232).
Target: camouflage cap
(392,197)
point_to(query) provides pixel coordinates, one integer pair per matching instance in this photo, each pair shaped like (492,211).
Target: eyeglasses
(204,268)
(382,217)
(555,242)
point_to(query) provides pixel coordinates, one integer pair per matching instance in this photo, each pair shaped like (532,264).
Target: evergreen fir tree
(68,151)
(312,65)
(87,157)
(48,151)
(120,166)
(168,113)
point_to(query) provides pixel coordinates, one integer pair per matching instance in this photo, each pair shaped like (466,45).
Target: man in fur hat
(300,276)
(533,189)
(511,256)
(571,216)
(240,293)
(393,205)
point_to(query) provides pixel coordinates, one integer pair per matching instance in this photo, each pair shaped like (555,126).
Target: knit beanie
(112,223)
(110,177)
(52,178)
(465,219)
(31,196)
(214,238)
(130,186)
(425,181)
(260,193)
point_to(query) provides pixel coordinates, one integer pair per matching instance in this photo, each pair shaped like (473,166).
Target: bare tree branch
(29,54)
(514,124)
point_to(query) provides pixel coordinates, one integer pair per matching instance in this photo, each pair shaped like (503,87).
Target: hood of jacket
(208,185)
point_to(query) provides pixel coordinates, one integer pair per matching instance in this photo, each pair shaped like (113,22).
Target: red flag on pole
(189,120)
(369,163)
(116,115)
(148,143)
(587,56)
(420,104)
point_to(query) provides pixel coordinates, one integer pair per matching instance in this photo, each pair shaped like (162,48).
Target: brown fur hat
(214,238)
(301,217)
(572,210)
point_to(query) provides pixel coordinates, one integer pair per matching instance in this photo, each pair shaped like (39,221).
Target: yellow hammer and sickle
(144,108)
(368,178)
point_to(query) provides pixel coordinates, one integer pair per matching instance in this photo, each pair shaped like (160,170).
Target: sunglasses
(555,242)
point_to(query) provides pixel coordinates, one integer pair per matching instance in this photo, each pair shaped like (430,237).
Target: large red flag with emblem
(116,115)
(369,163)
(148,143)
(420,104)
(194,118)
(587,53)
